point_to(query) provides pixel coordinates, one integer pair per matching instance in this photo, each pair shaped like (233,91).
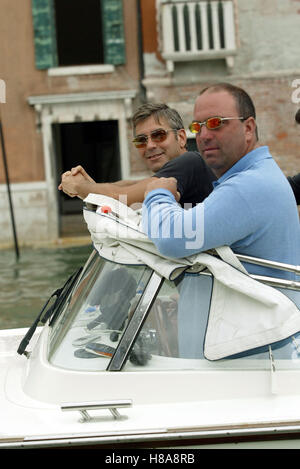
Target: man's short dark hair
(297,116)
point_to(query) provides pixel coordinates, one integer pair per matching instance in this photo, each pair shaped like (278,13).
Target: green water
(26,284)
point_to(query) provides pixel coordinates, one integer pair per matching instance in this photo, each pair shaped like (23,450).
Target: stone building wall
(29,158)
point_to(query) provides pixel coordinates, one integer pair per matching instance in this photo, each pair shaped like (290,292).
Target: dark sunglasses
(157,136)
(211,124)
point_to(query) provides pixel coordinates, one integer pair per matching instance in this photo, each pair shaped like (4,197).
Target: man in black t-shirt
(295,180)
(161,141)
(194,177)
(295,184)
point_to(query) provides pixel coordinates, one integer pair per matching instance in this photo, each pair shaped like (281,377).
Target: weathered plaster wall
(269,36)
(267,64)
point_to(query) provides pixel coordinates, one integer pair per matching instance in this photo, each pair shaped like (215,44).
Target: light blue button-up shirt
(252,209)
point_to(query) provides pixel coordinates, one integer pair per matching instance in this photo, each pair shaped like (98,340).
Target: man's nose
(150,144)
(205,133)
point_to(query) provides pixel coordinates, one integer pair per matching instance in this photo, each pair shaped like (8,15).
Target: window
(197,30)
(77,43)
(78,33)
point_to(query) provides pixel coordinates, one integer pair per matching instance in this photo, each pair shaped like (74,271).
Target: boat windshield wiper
(61,294)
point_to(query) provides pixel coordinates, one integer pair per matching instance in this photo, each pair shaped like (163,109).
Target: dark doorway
(94,146)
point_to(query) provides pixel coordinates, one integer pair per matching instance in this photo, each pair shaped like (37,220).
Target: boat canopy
(130,303)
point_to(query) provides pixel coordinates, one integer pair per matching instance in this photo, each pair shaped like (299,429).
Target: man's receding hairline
(219,89)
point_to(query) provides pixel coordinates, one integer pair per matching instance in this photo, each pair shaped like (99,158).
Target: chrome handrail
(268,263)
(83,407)
(277,282)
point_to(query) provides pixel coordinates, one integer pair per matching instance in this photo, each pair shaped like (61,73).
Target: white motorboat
(137,350)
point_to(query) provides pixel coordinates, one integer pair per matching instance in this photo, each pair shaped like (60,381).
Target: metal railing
(197,30)
(273,281)
(83,408)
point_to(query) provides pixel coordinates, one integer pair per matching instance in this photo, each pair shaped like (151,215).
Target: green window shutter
(44,34)
(113,31)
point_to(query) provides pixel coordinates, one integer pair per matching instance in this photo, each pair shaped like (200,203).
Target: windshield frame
(133,328)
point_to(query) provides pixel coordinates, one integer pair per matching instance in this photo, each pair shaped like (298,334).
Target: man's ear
(250,128)
(182,138)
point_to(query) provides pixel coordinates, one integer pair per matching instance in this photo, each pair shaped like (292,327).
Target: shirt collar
(245,162)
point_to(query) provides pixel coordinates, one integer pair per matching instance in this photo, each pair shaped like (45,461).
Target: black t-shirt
(295,184)
(194,177)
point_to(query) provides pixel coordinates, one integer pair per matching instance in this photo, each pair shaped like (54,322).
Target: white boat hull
(247,422)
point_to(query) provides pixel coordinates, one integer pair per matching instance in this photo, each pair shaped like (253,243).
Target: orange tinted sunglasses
(211,124)
(157,136)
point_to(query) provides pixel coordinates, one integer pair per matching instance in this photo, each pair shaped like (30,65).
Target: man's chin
(156,165)
(211,159)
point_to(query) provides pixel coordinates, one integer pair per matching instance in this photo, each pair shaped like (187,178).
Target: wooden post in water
(8,191)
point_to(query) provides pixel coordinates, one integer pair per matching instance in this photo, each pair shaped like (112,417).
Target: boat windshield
(126,317)
(96,314)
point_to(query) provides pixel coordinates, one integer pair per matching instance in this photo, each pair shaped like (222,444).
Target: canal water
(27,283)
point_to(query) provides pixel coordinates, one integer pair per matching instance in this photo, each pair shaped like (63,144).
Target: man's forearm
(179,233)
(125,182)
(83,189)
(126,194)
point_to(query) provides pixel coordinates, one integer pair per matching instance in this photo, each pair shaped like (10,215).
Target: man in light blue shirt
(252,208)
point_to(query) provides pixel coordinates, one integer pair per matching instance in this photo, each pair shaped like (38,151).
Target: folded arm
(179,233)
(79,185)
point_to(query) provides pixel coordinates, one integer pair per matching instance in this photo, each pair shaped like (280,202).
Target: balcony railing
(197,30)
